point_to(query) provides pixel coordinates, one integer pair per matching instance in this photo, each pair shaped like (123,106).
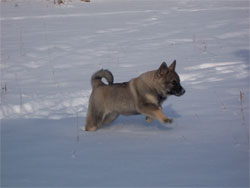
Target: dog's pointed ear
(162,70)
(172,66)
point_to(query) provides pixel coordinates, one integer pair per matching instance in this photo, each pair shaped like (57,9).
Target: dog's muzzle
(181,92)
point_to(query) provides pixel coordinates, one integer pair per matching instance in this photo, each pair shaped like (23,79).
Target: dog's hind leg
(109,118)
(94,121)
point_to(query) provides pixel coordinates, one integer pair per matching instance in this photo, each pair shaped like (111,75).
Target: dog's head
(170,81)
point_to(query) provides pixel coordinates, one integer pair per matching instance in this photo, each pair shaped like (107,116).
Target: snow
(48,54)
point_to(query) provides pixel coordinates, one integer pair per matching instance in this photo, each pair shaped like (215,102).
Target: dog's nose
(183,91)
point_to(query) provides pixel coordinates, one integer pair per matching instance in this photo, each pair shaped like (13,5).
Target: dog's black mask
(176,89)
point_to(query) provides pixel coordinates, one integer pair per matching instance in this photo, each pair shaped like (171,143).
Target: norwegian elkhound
(142,95)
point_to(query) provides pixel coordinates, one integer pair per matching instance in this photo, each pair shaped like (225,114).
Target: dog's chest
(151,99)
(157,100)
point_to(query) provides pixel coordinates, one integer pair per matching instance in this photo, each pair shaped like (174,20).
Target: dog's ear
(163,70)
(172,66)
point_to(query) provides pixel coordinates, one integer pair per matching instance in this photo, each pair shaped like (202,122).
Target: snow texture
(48,54)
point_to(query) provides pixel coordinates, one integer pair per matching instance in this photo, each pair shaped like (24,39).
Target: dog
(142,95)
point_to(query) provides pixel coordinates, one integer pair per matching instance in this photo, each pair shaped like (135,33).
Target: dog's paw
(91,129)
(149,119)
(168,120)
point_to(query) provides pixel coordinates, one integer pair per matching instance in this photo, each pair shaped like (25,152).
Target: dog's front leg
(155,112)
(149,119)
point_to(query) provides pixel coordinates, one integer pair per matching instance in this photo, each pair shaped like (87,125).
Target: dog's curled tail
(96,79)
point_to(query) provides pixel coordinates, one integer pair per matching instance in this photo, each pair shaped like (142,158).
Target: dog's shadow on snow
(138,122)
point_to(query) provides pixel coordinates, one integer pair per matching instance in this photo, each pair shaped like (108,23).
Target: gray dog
(142,95)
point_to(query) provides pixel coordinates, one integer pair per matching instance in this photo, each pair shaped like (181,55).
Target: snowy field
(48,54)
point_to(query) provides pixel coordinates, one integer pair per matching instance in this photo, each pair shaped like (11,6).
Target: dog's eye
(174,82)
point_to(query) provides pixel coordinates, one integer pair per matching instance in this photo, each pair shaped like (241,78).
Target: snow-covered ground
(48,54)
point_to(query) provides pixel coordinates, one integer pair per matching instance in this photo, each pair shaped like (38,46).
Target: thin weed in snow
(74,153)
(241,105)
(244,122)
(50,62)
